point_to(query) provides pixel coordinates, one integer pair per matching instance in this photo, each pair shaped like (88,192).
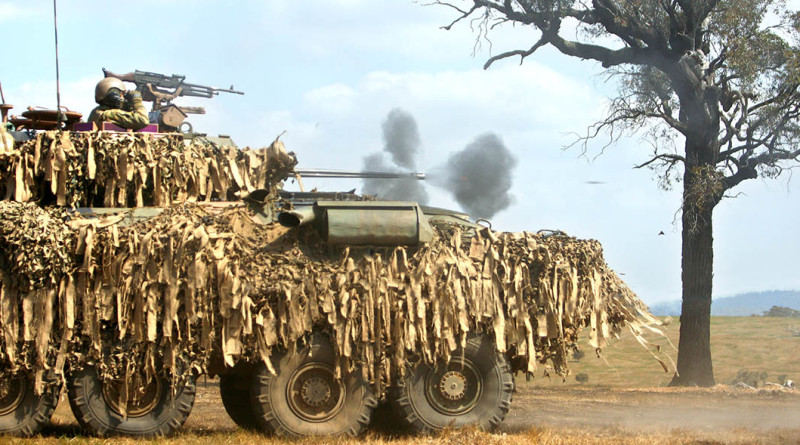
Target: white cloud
(335,98)
(10,11)
(75,95)
(527,97)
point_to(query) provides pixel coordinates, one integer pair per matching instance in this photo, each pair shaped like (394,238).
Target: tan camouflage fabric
(112,169)
(205,284)
(6,140)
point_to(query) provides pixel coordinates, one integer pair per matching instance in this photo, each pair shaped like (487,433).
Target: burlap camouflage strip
(110,169)
(201,284)
(177,289)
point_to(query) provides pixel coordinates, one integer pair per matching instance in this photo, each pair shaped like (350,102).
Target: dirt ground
(718,415)
(654,410)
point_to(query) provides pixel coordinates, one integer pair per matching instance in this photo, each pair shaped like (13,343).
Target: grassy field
(465,436)
(759,344)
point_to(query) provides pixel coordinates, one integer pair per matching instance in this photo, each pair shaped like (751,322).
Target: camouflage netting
(203,283)
(110,169)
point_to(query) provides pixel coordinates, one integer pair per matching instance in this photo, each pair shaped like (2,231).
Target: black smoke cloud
(405,189)
(401,140)
(479,176)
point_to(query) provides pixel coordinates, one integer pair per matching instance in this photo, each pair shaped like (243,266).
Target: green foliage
(780,311)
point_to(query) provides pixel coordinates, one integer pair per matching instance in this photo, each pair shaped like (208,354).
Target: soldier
(116,105)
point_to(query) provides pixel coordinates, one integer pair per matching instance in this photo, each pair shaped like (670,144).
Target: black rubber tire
(274,409)
(384,420)
(85,393)
(488,406)
(31,411)
(234,390)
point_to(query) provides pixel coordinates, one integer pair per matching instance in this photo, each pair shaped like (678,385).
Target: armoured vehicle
(132,263)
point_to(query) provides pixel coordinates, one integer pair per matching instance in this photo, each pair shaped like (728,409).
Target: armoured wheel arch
(474,388)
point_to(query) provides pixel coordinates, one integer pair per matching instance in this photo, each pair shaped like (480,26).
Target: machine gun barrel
(191,89)
(171,86)
(315,173)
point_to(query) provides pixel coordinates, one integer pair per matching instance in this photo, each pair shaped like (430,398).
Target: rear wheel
(152,409)
(474,388)
(304,398)
(23,412)
(234,389)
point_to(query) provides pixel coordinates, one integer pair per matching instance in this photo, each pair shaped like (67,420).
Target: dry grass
(753,343)
(466,436)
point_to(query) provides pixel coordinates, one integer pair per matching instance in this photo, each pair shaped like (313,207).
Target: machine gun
(162,89)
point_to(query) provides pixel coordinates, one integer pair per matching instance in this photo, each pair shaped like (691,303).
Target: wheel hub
(141,399)
(12,392)
(314,394)
(453,388)
(453,385)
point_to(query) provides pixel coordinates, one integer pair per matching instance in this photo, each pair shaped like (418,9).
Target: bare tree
(719,78)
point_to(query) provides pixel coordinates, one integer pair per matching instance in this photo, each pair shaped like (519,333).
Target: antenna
(59,116)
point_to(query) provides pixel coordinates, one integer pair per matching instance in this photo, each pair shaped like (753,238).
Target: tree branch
(668,158)
(521,53)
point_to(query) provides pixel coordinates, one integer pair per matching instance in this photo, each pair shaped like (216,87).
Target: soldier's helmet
(105,85)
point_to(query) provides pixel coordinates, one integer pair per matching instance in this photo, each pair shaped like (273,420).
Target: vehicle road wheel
(22,412)
(234,389)
(155,411)
(305,399)
(475,390)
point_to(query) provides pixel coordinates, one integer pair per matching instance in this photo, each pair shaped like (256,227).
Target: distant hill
(738,305)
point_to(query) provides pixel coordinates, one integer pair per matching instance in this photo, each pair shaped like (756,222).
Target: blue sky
(329,72)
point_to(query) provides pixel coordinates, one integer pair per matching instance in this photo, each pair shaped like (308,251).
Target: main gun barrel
(316,173)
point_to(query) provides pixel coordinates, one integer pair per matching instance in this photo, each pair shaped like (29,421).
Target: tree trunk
(697,262)
(702,191)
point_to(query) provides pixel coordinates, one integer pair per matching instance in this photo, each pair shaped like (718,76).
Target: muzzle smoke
(406,189)
(478,177)
(401,140)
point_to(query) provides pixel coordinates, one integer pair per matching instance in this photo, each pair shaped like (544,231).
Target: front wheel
(22,412)
(304,398)
(151,410)
(474,388)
